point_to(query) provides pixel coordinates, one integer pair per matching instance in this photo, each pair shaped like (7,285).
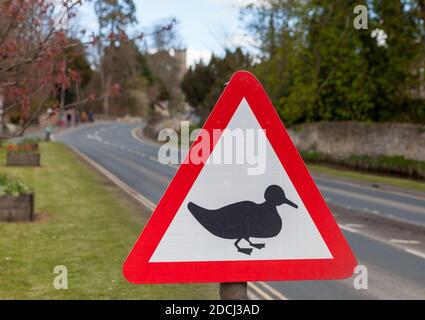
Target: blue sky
(205,26)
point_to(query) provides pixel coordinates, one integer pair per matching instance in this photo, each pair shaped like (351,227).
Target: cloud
(195,55)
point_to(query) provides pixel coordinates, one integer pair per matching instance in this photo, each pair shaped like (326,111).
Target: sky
(205,26)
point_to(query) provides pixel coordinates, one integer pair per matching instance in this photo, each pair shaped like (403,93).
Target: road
(385,228)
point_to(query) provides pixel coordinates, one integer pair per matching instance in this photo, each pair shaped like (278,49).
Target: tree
(197,83)
(316,66)
(114,16)
(203,84)
(33,43)
(39,62)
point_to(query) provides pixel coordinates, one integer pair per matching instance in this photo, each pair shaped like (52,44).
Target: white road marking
(344,227)
(361,186)
(260,292)
(387,202)
(273,290)
(396,245)
(416,253)
(403,241)
(354,225)
(135,136)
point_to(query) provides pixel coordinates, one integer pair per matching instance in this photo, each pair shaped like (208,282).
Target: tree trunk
(1,113)
(106,99)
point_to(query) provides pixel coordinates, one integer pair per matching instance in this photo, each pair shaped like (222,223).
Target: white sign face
(191,235)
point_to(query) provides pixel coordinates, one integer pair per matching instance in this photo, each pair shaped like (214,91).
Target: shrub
(13,187)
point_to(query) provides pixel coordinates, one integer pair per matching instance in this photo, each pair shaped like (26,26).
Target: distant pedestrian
(47,132)
(68,119)
(91,116)
(83,116)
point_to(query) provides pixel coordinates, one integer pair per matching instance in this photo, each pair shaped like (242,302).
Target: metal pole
(233,291)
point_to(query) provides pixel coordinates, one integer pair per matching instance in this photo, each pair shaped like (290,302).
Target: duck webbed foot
(242,250)
(245,250)
(257,245)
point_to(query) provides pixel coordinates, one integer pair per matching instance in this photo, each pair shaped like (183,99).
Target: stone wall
(342,139)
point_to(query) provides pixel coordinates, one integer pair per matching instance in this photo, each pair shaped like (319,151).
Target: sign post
(234,291)
(241,207)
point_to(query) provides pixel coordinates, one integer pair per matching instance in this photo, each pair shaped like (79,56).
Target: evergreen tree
(203,84)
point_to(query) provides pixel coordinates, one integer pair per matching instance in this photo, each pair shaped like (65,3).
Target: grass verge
(84,223)
(394,165)
(401,183)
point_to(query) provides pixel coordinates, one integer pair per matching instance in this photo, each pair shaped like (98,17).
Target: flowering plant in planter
(18,148)
(13,187)
(16,200)
(22,155)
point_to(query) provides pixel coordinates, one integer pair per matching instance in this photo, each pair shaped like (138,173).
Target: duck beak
(291,204)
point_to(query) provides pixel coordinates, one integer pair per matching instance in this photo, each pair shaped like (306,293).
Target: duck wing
(229,222)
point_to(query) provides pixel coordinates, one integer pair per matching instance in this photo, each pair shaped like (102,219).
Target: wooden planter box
(17,208)
(23,159)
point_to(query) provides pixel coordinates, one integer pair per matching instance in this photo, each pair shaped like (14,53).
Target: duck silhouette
(245,219)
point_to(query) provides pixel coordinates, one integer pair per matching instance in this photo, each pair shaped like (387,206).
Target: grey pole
(234,291)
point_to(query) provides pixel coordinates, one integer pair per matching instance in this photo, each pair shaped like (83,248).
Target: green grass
(83,223)
(408,184)
(395,165)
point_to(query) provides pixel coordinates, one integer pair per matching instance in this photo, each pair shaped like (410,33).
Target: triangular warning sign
(248,211)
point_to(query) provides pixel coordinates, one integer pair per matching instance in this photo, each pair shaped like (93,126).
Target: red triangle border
(138,269)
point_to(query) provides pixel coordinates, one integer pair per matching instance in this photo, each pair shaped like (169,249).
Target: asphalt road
(385,228)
